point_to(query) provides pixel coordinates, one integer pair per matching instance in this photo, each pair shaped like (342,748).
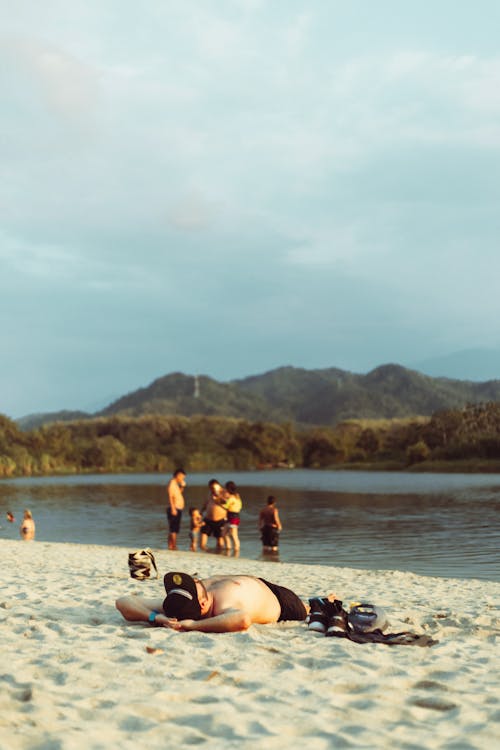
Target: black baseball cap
(181,601)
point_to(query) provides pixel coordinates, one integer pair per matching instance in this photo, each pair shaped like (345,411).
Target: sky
(224,187)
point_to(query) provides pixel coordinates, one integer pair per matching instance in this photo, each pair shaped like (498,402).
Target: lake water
(432,524)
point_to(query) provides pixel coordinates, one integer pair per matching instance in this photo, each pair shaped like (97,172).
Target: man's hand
(187,624)
(162,621)
(228,622)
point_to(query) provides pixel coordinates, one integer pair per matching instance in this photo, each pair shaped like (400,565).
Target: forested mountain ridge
(305,397)
(308,397)
(186,395)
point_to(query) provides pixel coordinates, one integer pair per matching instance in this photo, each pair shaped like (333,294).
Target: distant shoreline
(425,467)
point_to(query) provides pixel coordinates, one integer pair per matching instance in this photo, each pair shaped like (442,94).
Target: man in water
(175,505)
(218,604)
(214,515)
(270,525)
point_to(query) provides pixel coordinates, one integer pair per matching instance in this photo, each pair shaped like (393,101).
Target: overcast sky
(228,186)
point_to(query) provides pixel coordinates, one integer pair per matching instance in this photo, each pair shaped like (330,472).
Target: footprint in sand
(432,702)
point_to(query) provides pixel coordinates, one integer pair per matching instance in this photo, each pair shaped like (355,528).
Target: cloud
(193,211)
(420,98)
(303,183)
(43,261)
(45,77)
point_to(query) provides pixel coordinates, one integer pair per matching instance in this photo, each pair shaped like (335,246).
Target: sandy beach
(75,675)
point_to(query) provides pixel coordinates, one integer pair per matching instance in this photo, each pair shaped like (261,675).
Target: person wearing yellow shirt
(233,504)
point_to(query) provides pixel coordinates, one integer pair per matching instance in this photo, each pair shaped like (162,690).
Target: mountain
(177,394)
(324,396)
(306,397)
(332,395)
(469,364)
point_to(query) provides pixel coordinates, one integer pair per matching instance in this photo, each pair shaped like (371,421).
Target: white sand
(75,675)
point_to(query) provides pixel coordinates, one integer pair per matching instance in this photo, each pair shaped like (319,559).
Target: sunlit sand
(74,674)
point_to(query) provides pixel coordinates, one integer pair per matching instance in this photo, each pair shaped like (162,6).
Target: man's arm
(137,609)
(277,520)
(232,621)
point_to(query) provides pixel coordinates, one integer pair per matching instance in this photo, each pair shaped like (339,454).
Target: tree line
(200,443)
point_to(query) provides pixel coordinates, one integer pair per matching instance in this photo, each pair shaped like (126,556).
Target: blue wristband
(152,616)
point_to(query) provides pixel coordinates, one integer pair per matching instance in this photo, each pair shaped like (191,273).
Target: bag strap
(153,561)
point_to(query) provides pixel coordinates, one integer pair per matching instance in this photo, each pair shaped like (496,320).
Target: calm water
(433,524)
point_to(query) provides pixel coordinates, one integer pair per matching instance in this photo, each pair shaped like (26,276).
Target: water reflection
(270,556)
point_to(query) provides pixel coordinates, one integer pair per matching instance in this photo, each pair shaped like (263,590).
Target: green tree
(417,453)
(368,442)
(7,466)
(321,449)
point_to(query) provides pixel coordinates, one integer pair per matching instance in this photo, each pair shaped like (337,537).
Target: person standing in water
(196,522)
(232,503)
(270,525)
(175,506)
(214,516)
(27,527)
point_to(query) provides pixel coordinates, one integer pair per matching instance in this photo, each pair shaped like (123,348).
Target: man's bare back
(267,515)
(244,593)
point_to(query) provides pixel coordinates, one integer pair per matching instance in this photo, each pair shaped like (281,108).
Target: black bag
(140,563)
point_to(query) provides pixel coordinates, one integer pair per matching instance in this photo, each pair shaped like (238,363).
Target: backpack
(140,563)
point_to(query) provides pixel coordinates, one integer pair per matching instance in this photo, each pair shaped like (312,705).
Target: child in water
(195,526)
(27,527)
(233,504)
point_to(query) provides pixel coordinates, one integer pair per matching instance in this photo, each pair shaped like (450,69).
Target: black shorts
(292,608)
(174,522)
(213,528)
(270,535)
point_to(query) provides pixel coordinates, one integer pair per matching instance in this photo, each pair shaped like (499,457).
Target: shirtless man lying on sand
(218,604)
